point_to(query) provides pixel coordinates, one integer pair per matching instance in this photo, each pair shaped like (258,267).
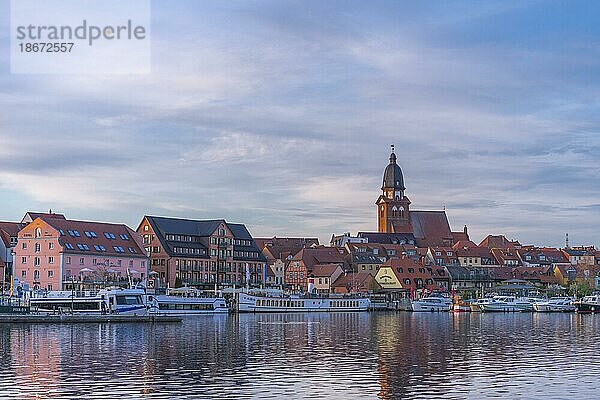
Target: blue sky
(280,115)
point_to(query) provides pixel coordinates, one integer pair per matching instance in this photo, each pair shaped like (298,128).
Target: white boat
(589,304)
(555,304)
(506,304)
(106,301)
(475,305)
(177,305)
(431,304)
(254,303)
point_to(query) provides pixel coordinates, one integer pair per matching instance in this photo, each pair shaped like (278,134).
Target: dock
(79,319)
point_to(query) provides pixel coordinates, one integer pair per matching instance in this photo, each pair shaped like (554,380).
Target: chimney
(465,230)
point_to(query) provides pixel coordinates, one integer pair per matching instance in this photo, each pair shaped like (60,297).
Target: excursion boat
(256,303)
(12,306)
(506,304)
(589,304)
(187,301)
(106,301)
(555,304)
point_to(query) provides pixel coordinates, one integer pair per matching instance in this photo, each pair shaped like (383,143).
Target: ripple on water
(321,356)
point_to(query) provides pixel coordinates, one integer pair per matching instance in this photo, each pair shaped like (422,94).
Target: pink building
(54,253)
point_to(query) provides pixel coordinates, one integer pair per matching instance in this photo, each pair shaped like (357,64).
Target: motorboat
(246,302)
(506,304)
(431,304)
(555,304)
(588,304)
(475,305)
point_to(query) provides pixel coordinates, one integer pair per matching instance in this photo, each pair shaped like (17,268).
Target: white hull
(250,303)
(419,306)
(177,305)
(553,308)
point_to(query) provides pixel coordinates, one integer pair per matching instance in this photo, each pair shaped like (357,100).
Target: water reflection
(334,356)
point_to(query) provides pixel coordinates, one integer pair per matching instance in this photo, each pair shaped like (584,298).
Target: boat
(106,301)
(588,304)
(505,304)
(555,304)
(246,302)
(9,305)
(475,305)
(431,304)
(187,301)
(462,306)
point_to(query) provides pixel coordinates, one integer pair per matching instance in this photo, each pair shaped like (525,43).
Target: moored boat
(555,304)
(177,305)
(588,304)
(506,304)
(431,304)
(106,301)
(255,303)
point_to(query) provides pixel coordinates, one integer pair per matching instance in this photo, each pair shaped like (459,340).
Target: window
(38,232)
(36,261)
(50,260)
(50,274)
(36,275)
(90,234)
(109,235)
(124,237)
(69,246)
(50,246)
(146,228)
(68,260)
(38,247)
(81,261)
(24,246)
(23,274)
(23,260)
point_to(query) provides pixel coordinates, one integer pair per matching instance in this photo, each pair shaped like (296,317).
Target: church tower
(392,205)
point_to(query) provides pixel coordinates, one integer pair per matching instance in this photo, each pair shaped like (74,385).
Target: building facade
(54,253)
(206,254)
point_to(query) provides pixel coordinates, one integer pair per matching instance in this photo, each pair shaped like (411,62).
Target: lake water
(318,356)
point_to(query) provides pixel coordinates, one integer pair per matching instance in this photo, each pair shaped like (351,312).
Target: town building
(205,254)
(345,238)
(360,282)
(585,255)
(55,253)
(303,263)
(9,232)
(324,276)
(278,252)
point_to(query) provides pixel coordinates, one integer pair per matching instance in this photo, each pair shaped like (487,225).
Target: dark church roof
(431,228)
(392,176)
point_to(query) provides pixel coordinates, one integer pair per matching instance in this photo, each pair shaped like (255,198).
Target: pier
(76,319)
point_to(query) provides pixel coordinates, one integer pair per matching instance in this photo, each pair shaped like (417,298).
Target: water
(300,356)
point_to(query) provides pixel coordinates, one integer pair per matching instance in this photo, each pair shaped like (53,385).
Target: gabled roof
(357,280)
(32,216)
(499,242)
(123,237)
(323,270)
(431,228)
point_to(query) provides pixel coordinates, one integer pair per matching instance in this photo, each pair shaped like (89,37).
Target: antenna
(392,148)
(567,240)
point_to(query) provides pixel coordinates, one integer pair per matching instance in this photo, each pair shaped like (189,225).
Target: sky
(280,115)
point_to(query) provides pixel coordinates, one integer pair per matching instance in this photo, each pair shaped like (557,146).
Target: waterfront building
(201,253)
(406,275)
(469,278)
(304,262)
(324,276)
(55,253)
(9,232)
(356,282)
(507,257)
(278,252)
(471,255)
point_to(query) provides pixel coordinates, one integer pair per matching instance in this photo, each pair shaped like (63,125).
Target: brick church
(396,222)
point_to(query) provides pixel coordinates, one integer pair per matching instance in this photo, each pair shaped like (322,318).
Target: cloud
(280,116)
